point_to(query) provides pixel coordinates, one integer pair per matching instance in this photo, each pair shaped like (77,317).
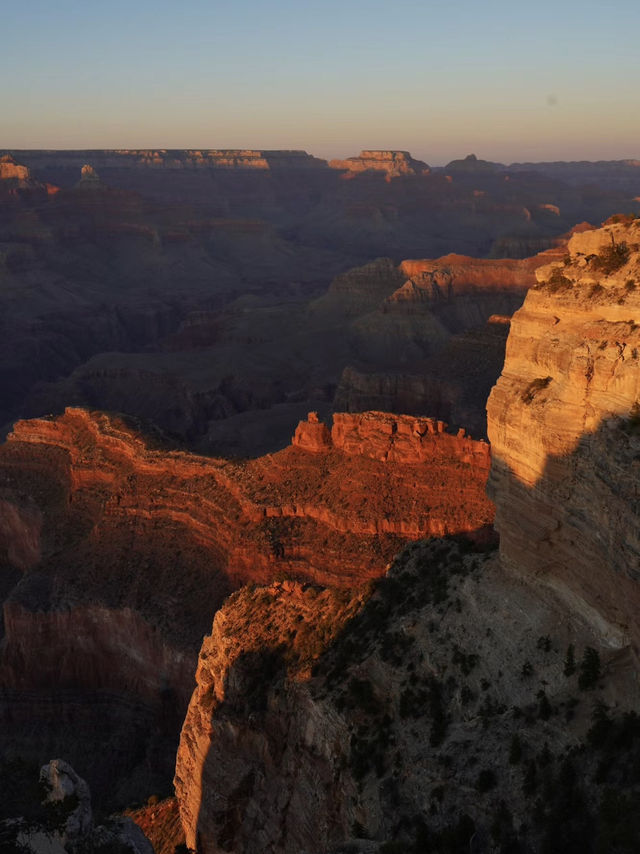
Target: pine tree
(570,661)
(589,669)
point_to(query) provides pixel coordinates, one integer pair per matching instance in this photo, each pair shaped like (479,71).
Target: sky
(508,81)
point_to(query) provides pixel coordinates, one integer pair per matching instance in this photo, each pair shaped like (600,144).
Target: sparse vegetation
(570,661)
(527,670)
(486,780)
(515,749)
(589,669)
(611,258)
(558,282)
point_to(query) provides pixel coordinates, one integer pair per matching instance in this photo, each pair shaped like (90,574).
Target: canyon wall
(175,159)
(563,424)
(116,552)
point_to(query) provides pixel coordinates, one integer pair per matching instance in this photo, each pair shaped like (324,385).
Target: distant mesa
(223,158)
(392,163)
(471,164)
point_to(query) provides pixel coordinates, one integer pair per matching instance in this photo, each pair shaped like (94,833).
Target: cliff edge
(563,420)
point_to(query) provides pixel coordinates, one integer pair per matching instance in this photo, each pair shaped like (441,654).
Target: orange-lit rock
(392,163)
(128,550)
(438,279)
(312,434)
(12,171)
(563,426)
(383,479)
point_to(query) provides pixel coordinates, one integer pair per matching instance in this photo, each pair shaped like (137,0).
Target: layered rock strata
(563,423)
(100,469)
(116,552)
(184,159)
(392,163)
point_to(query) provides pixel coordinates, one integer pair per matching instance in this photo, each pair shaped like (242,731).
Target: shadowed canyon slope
(115,554)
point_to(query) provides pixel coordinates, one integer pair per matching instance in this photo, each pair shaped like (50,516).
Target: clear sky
(506,80)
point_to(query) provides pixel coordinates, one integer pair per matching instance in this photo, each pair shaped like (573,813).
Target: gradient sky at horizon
(510,82)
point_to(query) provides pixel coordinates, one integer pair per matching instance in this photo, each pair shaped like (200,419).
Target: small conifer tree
(589,669)
(570,661)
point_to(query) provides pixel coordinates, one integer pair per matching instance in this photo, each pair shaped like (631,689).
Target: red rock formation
(312,434)
(257,516)
(130,549)
(392,163)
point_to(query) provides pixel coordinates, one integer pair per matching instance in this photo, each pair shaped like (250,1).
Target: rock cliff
(392,163)
(563,423)
(432,713)
(216,774)
(467,702)
(181,159)
(116,552)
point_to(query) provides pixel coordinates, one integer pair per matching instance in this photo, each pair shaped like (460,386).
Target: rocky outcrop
(392,163)
(89,179)
(230,510)
(437,703)
(127,549)
(392,438)
(17,181)
(563,423)
(466,291)
(65,820)
(226,800)
(12,171)
(312,434)
(460,273)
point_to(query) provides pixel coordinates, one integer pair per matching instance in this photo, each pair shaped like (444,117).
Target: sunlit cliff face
(562,421)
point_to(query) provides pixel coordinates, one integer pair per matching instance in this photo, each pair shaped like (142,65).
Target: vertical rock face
(256,769)
(564,425)
(312,434)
